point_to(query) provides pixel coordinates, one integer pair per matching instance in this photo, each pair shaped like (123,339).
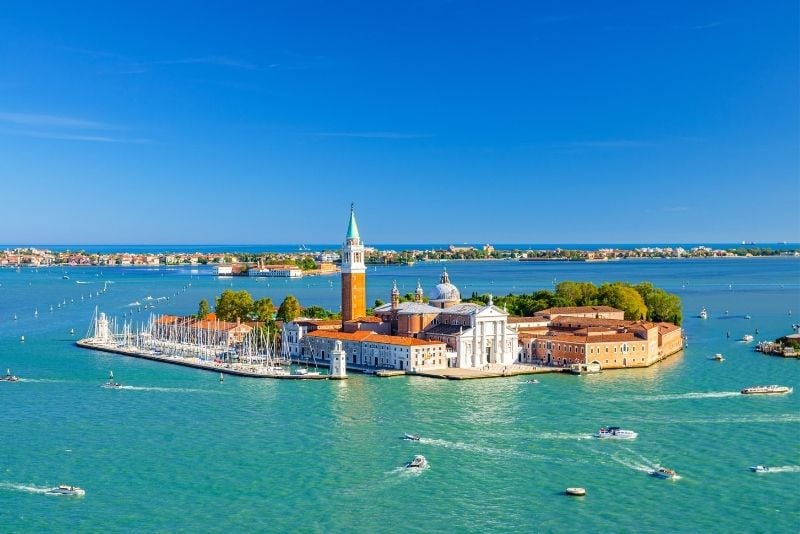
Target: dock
(236,369)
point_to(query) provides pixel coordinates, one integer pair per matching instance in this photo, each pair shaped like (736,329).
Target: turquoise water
(177,450)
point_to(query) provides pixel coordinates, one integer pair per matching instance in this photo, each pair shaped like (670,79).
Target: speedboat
(747,338)
(663,472)
(411,437)
(718,357)
(615,432)
(759,469)
(419,462)
(765,390)
(703,314)
(63,489)
(111,383)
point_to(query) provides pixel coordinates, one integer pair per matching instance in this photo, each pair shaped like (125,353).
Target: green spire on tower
(352,228)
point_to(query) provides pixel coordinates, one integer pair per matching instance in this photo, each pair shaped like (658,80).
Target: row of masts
(187,339)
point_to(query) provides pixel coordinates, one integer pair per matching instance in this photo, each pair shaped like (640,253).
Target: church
(444,332)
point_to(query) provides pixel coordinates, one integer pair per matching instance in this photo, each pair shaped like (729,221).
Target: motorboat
(759,469)
(766,390)
(703,314)
(718,357)
(663,472)
(419,462)
(615,432)
(747,317)
(747,338)
(411,437)
(64,489)
(576,492)
(532,381)
(111,383)
(9,377)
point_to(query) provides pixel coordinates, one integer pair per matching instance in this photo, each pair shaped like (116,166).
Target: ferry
(615,432)
(759,469)
(663,472)
(703,314)
(63,489)
(419,462)
(765,390)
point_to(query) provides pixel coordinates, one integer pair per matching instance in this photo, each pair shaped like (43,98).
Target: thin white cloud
(373,135)
(56,121)
(220,61)
(83,137)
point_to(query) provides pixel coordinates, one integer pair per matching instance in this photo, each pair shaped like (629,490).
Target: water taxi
(765,390)
(419,462)
(759,469)
(615,432)
(663,472)
(63,489)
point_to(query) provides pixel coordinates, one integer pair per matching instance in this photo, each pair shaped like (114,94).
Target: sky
(443,121)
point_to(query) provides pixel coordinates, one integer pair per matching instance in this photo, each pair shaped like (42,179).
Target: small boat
(703,314)
(221,377)
(9,377)
(747,338)
(663,472)
(759,469)
(532,381)
(419,462)
(615,432)
(747,317)
(65,277)
(63,489)
(576,492)
(718,357)
(411,437)
(765,390)
(112,384)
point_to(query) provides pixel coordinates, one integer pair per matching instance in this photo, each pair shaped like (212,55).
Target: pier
(237,369)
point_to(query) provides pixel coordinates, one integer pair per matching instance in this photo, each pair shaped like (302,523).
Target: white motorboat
(766,390)
(759,469)
(111,383)
(703,314)
(615,432)
(419,462)
(411,437)
(718,357)
(576,492)
(532,381)
(747,338)
(63,489)
(663,472)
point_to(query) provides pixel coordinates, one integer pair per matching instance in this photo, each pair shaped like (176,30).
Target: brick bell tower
(354,281)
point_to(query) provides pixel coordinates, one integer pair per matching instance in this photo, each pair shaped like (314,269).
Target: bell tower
(354,282)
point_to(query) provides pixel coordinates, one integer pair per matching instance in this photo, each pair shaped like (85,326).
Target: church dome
(445,291)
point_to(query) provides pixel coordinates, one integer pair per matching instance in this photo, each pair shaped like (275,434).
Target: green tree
(378,302)
(661,306)
(289,309)
(263,309)
(203,309)
(624,297)
(315,312)
(233,305)
(577,293)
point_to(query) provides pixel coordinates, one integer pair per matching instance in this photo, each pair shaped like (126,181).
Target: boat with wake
(9,377)
(63,489)
(747,338)
(615,432)
(759,469)
(766,390)
(718,357)
(419,462)
(411,437)
(663,472)
(111,383)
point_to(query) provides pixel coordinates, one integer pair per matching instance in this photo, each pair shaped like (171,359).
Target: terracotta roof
(577,309)
(534,319)
(366,319)
(372,337)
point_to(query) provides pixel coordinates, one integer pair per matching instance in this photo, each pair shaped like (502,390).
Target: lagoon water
(178,450)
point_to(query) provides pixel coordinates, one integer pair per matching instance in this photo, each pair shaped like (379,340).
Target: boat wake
(81,282)
(23,487)
(163,390)
(480,449)
(137,303)
(562,435)
(682,396)
(406,472)
(783,469)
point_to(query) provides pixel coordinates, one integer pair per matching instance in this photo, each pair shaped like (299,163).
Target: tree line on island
(640,301)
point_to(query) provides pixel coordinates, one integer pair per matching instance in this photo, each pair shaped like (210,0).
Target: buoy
(576,492)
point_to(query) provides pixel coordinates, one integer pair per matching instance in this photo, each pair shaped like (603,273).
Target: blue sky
(560,122)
